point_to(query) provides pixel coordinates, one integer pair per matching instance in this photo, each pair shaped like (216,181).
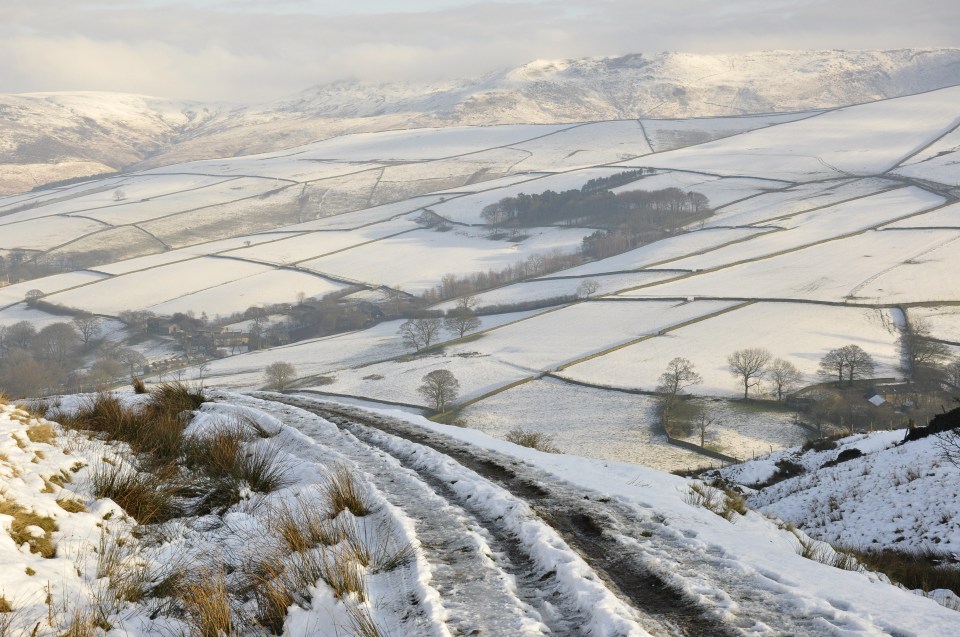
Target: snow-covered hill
(56,136)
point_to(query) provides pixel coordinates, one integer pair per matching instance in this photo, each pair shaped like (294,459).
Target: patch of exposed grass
(723,502)
(42,432)
(533,439)
(24,528)
(926,570)
(139,387)
(72,506)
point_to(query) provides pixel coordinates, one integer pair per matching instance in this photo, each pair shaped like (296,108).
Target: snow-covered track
(580,521)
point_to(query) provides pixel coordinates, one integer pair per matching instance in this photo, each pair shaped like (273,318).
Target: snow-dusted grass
(719,190)
(943,320)
(664,250)
(398,261)
(147,288)
(552,339)
(311,245)
(12,294)
(275,286)
(800,333)
(670,134)
(746,430)
(585,146)
(800,198)
(45,233)
(327,355)
(893,497)
(858,140)
(946,217)
(467,209)
(593,423)
(849,269)
(548,288)
(804,229)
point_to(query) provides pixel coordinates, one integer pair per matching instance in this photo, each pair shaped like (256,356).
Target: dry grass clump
(72,506)
(303,526)
(147,498)
(926,570)
(723,502)
(207,604)
(139,387)
(21,529)
(41,432)
(344,492)
(4,399)
(362,623)
(533,439)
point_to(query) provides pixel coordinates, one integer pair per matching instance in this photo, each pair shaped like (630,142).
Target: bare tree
(749,365)
(462,318)
(88,326)
(279,374)
(587,288)
(440,387)
(859,364)
(785,377)
(952,374)
(119,194)
(678,376)
(20,335)
(921,353)
(704,422)
(420,332)
(832,365)
(56,343)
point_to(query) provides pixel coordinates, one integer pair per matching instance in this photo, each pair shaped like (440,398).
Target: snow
(276,286)
(146,288)
(803,338)
(800,198)
(946,217)
(552,339)
(588,422)
(670,134)
(548,288)
(13,294)
(396,261)
(848,269)
(746,569)
(842,142)
(467,209)
(584,146)
(665,250)
(943,320)
(45,233)
(823,224)
(719,190)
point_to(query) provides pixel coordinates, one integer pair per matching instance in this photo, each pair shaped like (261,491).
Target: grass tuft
(207,604)
(145,497)
(139,387)
(533,439)
(42,432)
(72,506)
(344,492)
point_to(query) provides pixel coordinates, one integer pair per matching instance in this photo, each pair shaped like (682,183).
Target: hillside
(59,136)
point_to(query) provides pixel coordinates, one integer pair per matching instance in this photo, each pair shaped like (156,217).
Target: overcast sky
(256,50)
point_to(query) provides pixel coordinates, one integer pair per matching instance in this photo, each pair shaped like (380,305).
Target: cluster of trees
(34,362)
(639,210)
(23,265)
(419,333)
(452,285)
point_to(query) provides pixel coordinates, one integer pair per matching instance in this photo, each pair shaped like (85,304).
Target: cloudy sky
(256,50)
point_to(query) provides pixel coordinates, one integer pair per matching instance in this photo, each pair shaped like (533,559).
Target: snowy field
(720,191)
(45,233)
(399,261)
(799,333)
(943,321)
(12,294)
(946,217)
(593,423)
(842,142)
(850,269)
(663,252)
(585,146)
(670,134)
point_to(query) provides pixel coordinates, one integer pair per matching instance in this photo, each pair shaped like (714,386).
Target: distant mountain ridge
(47,137)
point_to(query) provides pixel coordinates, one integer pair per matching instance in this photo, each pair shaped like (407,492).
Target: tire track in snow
(572,516)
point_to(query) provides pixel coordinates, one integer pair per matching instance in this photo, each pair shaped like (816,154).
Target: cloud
(249,51)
